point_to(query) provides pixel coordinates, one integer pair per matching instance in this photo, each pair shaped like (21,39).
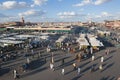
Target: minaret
(22,20)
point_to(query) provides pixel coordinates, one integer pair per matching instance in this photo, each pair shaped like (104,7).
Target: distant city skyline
(59,10)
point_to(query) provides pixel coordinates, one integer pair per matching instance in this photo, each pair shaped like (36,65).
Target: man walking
(63,71)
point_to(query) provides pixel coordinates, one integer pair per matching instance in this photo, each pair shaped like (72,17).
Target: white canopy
(62,38)
(10,41)
(94,42)
(44,37)
(25,36)
(82,41)
(9,38)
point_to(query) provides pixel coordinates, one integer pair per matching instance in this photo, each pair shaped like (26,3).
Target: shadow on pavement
(108,58)
(61,59)
(39,63)
(84,64)
(98,57)
(4,71)
(108,78)
(86,69)
(107,44)
(112,78)
(33,72)
(77,77)
(65,64)
(104,64)
(108,66)
(111,52)
(69,72)
(105,78)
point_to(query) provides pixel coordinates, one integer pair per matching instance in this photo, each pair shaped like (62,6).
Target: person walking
(107,51)
(78,57)
(100,67)
(15,74)
(28,60)
(74,65)
(51,66)
(63,72)
(102,59)
(52,60)
(93,57)
(91,50)
(79,70)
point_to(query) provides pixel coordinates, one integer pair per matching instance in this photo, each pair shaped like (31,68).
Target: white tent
(25,36)
(10,41)
(44,37)
(94,42)
(62,38)
(82,41)
(9,38)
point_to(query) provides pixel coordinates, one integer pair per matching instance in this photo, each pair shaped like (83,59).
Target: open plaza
(77,53)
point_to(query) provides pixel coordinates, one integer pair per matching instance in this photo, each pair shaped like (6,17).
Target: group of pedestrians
(101,60)
(63,70)
(25,66)
(100,67)
(107,51)
(74,69)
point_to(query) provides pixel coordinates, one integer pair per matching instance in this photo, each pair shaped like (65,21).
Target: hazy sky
(59,10)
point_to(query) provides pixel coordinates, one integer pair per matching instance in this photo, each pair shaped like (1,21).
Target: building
(117,23)
(109,24)
(112,24)
(15,23)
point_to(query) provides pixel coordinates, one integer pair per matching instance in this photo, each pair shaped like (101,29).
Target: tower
(22,20)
